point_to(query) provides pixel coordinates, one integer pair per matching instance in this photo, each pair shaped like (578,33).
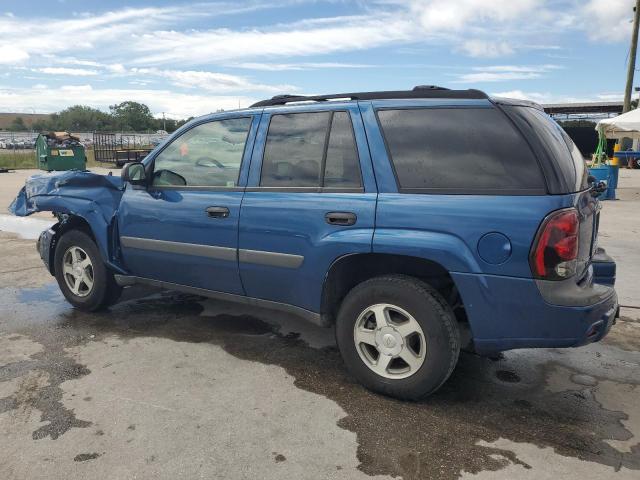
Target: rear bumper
(507,313)
(604,268)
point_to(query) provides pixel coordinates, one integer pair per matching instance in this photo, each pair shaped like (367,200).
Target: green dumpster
(60,151)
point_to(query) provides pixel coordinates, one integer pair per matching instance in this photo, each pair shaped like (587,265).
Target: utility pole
(632,58)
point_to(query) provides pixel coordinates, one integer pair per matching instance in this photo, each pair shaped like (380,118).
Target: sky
(187,58)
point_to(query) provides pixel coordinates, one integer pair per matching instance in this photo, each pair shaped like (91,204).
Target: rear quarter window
(564,155)
(459,150)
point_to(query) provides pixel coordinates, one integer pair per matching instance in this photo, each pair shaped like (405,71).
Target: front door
(183,228)
(310,200)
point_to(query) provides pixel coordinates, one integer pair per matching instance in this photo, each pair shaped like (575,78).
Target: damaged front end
(78,200)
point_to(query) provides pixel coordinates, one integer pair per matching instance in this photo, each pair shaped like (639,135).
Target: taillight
(554,253)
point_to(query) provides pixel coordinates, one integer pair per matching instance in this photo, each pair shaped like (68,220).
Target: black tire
(105,290)
(430,310)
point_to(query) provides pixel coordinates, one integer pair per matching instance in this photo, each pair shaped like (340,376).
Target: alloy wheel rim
(77,271)
(389,341)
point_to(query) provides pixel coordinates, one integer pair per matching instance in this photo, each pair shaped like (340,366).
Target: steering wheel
(209,162)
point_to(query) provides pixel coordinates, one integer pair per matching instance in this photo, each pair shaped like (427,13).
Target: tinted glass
(208,155)
(294,150)
(582,174)
(459,150)
(567,160)
(342,168)
(565,153)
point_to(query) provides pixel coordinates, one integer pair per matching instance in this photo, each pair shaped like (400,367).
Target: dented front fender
(90,196)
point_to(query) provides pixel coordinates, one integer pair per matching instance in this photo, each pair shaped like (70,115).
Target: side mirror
(134,173)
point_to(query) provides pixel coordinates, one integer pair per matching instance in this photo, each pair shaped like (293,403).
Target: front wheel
(83,278)
(398,336)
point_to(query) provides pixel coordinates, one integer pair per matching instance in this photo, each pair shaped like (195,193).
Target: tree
(132,116)
(17,125)
(125,116)
(180,123)
(80,118)
(41,126)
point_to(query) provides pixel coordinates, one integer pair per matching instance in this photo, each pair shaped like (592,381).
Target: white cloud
(501,73)
(178,105)
(157,36)
(520,95)
(210,81)
(486,48)
(277,67)
(497,76)
(450,15)
(548,97)
(159,50)
(75,72)
(223,45)
(33,35)
(10,54)
(116,68)
(608,20)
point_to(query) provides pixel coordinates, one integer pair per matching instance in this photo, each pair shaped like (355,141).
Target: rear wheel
(398,336)
(82,276)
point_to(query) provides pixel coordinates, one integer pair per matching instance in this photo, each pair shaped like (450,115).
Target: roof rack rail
(420,91)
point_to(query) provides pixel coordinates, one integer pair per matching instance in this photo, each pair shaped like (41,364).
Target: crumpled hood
(71,192)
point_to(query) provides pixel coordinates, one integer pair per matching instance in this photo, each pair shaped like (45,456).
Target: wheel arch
(350,270)
(101,234)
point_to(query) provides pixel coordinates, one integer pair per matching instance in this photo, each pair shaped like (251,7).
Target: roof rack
(420,91)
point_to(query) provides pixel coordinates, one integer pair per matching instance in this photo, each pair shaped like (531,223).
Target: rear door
(310,199)
(183,228)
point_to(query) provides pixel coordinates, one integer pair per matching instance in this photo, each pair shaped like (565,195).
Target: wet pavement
(166,385)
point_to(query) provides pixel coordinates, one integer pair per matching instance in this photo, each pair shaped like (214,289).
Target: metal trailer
(118,148)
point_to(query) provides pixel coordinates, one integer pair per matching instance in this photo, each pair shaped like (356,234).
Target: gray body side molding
(274,259)
(220,253)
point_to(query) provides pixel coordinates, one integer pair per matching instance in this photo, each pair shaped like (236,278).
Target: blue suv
(417,222)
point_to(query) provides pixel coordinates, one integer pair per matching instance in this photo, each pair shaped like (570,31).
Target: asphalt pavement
(167,385)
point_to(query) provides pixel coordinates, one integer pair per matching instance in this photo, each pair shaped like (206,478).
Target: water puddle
(24,227)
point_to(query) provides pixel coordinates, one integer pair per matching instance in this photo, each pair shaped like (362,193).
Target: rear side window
(342,167)
(459,150)
(315,149)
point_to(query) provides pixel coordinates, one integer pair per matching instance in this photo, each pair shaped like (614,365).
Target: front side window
(311,150)
(459,150)
(208,155)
